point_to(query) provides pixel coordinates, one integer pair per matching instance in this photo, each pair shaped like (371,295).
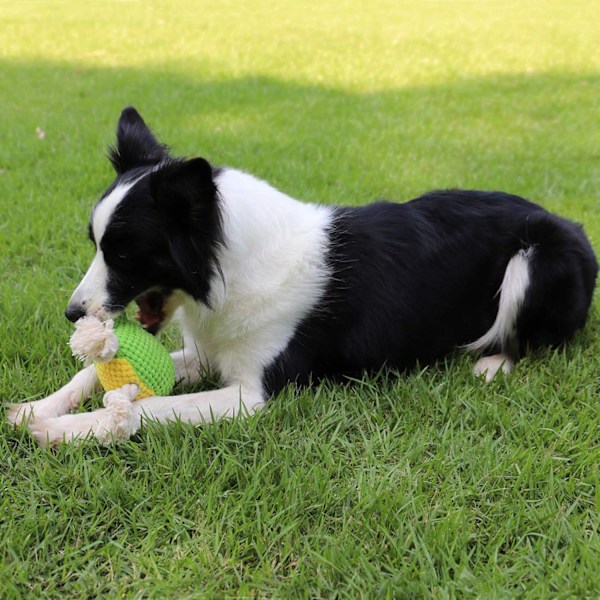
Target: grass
(425,485)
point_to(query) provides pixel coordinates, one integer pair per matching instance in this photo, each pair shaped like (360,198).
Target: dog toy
(123,352)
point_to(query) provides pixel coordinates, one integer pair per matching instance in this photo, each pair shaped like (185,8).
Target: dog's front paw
(50,431)
(19,414)
(46,431)
(16,414)
(57,404)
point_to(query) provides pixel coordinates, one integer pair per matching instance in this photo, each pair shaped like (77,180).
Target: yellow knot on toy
(124,353)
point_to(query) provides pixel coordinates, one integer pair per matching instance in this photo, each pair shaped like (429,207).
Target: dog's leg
(81,387)
(188,367)
(122,418)
(490,365)
(84,384)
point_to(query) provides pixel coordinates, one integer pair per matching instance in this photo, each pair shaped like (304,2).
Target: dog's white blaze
(91,293)
(512,295)
(274,273)
(104,211)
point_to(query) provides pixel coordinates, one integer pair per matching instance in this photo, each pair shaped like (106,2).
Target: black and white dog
(269,290)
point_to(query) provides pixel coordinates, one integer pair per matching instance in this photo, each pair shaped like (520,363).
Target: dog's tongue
(150,312)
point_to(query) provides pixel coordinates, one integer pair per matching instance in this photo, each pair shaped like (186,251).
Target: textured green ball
(123,352)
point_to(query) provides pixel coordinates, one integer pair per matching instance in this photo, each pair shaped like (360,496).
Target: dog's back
(411,282)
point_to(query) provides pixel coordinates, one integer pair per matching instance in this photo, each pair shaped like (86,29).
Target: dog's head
(156,229)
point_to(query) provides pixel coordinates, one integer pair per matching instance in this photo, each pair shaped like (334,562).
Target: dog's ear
(186,196)
(183,190)
(136,145)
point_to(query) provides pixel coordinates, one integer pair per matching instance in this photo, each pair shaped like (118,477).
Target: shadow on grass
(529,133)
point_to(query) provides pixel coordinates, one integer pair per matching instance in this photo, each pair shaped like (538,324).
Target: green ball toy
(123,352)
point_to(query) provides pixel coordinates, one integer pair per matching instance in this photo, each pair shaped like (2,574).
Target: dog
(270,291)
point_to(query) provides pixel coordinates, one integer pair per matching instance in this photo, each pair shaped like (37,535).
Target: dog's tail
(547,288)
(516,282)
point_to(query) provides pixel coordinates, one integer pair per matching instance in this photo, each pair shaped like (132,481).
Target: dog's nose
(74,312)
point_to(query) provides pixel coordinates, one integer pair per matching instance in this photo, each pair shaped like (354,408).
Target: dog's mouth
(151,313)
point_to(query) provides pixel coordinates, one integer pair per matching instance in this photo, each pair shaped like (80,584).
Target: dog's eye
(118,257)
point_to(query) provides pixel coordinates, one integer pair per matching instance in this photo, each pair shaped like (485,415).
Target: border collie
(270,291)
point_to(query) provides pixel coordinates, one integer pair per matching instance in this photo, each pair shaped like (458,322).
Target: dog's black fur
(411,282)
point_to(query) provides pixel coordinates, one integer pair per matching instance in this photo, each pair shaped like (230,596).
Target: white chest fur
(274,273)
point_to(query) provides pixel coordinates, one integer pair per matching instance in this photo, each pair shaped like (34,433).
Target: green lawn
(425,485)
